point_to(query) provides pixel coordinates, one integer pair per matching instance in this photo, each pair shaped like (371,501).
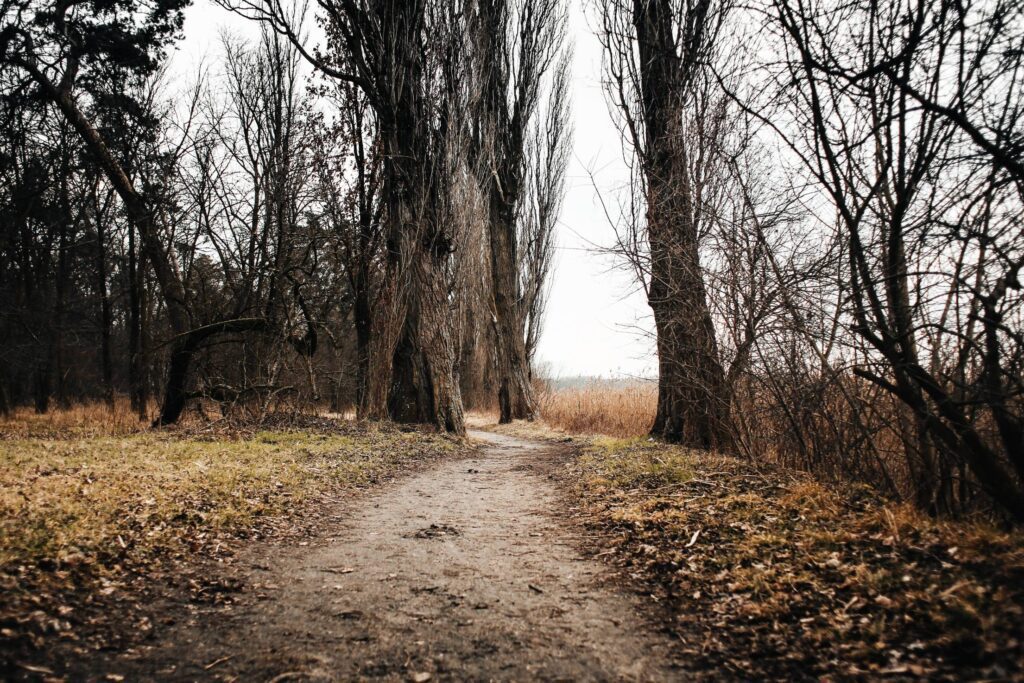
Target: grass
(635,463)
(81,420)
(601,408)
(100,515)
(767,573)
(87,485)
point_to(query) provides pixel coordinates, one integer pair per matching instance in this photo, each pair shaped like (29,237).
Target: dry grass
(601,408)
(99,514)
(771,575)
(85,420)
(85,484)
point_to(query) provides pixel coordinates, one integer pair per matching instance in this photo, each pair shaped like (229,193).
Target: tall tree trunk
(136,373)
(106,317)
(67,222)
(693,407)
(515,391)
(503,126)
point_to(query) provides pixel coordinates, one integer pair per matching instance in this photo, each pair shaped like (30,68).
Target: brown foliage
(767,574)
(601,408)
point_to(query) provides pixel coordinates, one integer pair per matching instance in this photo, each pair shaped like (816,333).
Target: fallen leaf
(35,669)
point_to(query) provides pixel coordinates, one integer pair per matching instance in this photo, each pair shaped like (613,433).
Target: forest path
(461,572)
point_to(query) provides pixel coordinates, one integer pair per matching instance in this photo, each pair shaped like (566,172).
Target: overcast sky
(596,317)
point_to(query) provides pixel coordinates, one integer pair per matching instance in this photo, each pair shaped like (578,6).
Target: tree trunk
(106,317)
(57,336)
(515,391)
(363,319)
(41,387)
(183,349)
(693,407)
(5,402)
(504,140)
(175,393)
(424,386)
(136,372)
(413,368)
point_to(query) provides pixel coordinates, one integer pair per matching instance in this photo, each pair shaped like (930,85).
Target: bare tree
(657,57)
(548,152)
(348,180)
(408,58)
(517,45)
(902,113)
(243,189)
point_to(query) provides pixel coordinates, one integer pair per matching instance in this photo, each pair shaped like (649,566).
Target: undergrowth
(767,573)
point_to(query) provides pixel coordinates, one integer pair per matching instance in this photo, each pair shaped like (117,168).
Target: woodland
(321,262)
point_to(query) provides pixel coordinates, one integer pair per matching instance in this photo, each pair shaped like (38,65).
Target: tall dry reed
(602,408)
(78,420)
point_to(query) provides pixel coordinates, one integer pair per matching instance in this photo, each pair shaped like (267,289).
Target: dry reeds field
(78,420)
(602,407)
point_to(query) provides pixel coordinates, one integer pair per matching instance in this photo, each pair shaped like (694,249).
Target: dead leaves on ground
(769,574)
(87,523)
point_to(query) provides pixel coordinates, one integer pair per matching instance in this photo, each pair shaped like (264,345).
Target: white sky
(596,316)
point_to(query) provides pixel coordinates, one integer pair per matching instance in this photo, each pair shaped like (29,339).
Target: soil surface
(466,571)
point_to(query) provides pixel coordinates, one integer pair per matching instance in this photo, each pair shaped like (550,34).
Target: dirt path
(462,572)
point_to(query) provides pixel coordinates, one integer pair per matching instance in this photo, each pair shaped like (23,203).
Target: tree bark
(425,388)
(515,391)
(693,407)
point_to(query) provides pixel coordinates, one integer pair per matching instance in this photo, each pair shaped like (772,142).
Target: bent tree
(70,52)
(58,43)
(657,54)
